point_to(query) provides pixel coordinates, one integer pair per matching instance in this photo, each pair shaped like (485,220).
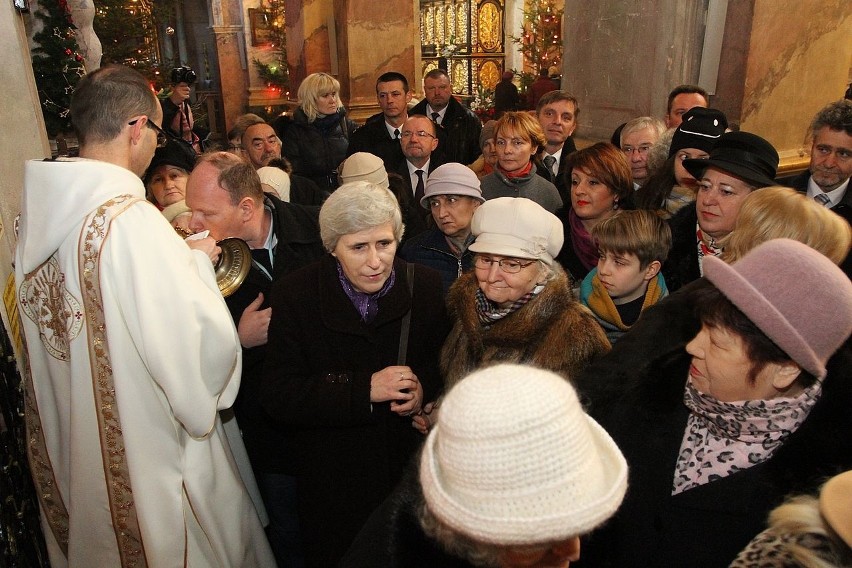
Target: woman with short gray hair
(355,210)
(352,356)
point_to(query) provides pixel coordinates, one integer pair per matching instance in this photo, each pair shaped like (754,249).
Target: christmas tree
(57,64)
(275,72)
(540,41)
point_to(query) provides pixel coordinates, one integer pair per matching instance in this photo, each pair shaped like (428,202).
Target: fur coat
(553,331)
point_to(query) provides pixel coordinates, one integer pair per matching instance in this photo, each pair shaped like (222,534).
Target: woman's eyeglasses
(508,265)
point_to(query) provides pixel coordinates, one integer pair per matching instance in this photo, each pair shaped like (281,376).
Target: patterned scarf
(366,304)
(600,302)
(705,250)
(489,312)
(722,438)
(582,242)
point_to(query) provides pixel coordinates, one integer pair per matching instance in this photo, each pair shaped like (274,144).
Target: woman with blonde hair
(518,137)
(776,212)
(316,139)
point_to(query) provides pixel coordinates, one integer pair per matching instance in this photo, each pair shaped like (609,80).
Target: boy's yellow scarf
(600,302)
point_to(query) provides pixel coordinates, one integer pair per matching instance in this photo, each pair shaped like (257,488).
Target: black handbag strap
(406,320)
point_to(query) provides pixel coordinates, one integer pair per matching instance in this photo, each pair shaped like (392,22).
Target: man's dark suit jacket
(560,180)
(374,138)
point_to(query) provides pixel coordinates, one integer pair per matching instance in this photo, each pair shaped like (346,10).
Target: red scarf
(520,173)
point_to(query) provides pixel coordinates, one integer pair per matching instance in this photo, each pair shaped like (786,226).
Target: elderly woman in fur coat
(516,306)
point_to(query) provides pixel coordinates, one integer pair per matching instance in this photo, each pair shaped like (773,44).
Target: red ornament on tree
(78,58)
(68,51)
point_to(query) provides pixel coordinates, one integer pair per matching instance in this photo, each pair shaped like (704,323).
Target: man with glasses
(637,137)
(381,132)
(131,355)
(419,142)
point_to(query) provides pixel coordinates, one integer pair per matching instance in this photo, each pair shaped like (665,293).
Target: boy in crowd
(627,281)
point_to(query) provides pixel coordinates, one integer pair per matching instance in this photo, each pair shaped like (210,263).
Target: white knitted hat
(514,460)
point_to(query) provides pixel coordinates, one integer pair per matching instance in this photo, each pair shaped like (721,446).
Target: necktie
(396,133)
(421,188)
(548,163)
(435,117)
(822,199)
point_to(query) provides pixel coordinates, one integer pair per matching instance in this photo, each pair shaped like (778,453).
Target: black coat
(636,393)
(462,127)
(416,218)
(313,153)
(392,537)
(316,382)
(299,244)
(430,248)
(800,183)
(681,266)
(374,138)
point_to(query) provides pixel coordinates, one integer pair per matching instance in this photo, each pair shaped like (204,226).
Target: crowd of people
(454,344)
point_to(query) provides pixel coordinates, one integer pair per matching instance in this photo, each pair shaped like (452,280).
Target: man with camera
(177,114)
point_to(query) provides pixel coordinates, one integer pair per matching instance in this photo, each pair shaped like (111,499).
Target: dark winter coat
(431,249)
(316,382)
(393,538)
(299,244)
(636,393)
(462,127)
(552,331)
(681,266)
(314,153)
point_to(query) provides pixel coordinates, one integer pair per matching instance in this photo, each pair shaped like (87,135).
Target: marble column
(622,57)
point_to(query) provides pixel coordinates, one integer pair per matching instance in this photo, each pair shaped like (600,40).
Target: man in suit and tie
(461,125)
(557,114)
(380,134)
(419,140)
(827,178)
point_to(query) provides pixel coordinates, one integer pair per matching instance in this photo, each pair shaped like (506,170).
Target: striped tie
(823,199)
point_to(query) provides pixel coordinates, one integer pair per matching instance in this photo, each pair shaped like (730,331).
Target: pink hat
(796,296)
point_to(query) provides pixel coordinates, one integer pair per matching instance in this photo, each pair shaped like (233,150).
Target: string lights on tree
(540,41)
(275,73)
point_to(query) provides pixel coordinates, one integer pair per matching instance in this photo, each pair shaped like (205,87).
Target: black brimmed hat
(742,154)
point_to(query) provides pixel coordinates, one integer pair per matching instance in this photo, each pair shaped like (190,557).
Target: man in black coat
(226,198)
(380,134)
(827,178)
(557,114)
(461,125)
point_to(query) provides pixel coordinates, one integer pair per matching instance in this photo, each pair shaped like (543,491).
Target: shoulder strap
(406,320)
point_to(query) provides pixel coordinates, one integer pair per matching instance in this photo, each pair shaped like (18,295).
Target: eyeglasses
(641,150)
(507,265)
(163,137)
(418,134)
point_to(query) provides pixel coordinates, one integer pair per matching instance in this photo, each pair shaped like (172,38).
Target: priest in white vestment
(131,354)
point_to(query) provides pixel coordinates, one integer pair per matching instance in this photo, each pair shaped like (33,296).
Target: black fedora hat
(742,154)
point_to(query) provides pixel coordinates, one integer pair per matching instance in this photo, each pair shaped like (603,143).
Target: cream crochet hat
(514,460)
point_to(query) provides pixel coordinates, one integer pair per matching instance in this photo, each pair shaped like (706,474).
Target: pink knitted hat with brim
(796,296)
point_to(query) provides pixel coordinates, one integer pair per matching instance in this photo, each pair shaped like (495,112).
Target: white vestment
(132,353)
